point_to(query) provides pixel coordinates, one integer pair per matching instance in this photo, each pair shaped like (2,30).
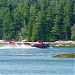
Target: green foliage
(47,20)
(73,33)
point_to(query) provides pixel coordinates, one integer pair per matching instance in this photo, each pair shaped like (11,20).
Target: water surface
(35,61)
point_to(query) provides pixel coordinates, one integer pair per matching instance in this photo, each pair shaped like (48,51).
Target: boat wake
(15,47)
(18,47)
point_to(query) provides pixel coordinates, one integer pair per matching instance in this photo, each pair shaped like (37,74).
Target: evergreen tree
(67,21)
(73,33)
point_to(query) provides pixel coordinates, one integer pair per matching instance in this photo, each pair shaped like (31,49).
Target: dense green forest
(47,20)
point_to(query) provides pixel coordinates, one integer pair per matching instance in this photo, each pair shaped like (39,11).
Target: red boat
(40,44)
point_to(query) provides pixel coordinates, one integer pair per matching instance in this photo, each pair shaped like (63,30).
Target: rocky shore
(56,43)
(62,43)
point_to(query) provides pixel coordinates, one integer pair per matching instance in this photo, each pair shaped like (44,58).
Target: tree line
(46,20)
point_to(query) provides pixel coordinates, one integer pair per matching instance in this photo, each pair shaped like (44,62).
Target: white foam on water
(15,46)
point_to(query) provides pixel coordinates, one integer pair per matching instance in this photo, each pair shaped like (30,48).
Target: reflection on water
(35,61)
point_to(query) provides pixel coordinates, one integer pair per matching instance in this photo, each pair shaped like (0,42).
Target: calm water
(35,61)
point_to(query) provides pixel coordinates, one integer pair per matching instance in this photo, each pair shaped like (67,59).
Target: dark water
(35,61)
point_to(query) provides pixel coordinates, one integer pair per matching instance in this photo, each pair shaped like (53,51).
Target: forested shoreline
(47,20)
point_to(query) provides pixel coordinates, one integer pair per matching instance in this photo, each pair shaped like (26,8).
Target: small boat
(40,44)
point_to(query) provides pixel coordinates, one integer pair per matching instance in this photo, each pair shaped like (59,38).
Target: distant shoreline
(56,43)
(65,56)
(63,43)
